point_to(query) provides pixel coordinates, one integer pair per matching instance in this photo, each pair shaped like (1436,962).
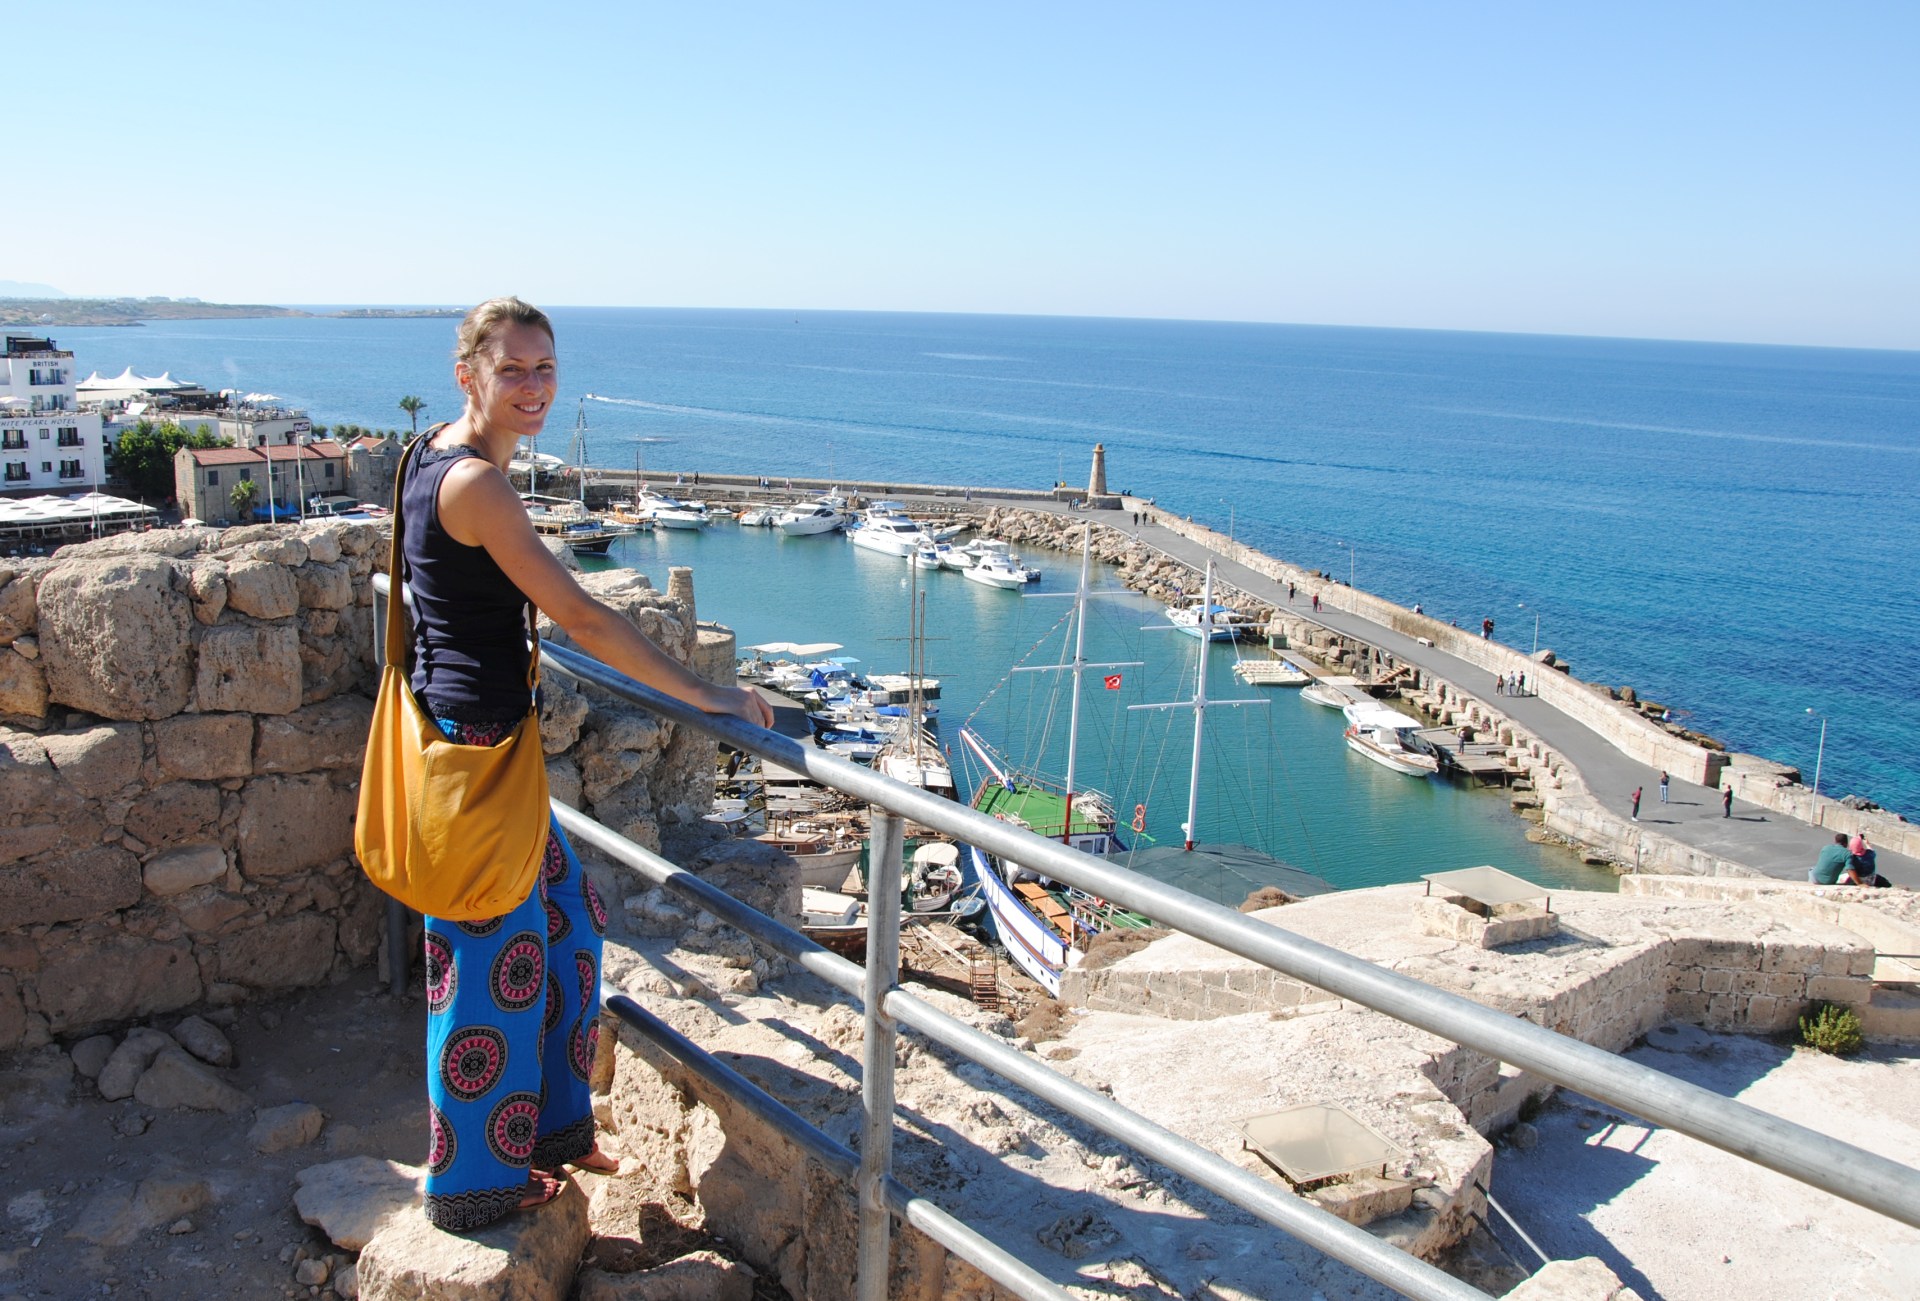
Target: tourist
(1862,863)
(1499,685)
(493,985)
(1636,803)
(1416,608)
(1289,593)
(1664,779)
(1832,862)
(1523,684)
(1316,603)
(1486,629)
(1726,802)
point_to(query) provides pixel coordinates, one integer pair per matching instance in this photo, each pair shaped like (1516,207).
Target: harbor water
(1726,528)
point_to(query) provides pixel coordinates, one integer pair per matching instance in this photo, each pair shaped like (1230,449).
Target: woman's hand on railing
(740,702)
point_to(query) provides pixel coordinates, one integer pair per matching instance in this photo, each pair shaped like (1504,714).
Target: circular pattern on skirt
(554,1010)
(485,926)
(589,982)
(513,1127)
(442,1146)
(596,911)
(553,866)
(519,970)
(472,1061)
(582,1045)
(441,980)
(558,927)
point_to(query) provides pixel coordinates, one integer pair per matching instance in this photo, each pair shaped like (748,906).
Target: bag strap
(399,645)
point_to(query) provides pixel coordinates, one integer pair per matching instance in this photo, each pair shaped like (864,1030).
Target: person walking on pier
(1726,802)
(1499,685)
(1636,803)
(1523,684)
(1664,779)
(1289,593)
(1316,603)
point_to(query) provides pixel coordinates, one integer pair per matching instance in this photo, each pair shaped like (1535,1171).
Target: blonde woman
(513,1001)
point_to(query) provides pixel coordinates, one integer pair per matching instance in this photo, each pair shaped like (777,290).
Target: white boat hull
(1400,761)
(994,576)
(884,543)
(1035,947)
(1322,694)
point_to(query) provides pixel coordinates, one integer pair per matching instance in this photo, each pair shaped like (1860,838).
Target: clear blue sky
(1741,171)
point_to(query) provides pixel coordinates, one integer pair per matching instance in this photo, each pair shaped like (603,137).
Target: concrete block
(1838,989)
(1716,980)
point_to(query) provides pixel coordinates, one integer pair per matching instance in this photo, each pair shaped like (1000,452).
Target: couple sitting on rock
(1847,862)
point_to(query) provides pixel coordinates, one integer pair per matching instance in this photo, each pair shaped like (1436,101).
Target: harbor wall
(182,719)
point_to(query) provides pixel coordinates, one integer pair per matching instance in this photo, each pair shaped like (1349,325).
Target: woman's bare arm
(478,507)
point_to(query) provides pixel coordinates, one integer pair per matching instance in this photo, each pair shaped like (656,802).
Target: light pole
(1349,547)
(1536,627)
(1821,756)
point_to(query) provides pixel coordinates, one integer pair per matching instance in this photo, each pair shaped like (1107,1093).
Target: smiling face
(511,381)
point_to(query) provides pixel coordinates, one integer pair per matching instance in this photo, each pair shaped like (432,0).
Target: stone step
(1891,1014)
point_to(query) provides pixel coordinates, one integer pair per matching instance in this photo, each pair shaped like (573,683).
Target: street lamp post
(1536,627)
(1820,757)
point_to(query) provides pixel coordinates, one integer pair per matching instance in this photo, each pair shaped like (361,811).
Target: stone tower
(1097,485)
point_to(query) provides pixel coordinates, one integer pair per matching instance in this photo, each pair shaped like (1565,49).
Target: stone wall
(182,719)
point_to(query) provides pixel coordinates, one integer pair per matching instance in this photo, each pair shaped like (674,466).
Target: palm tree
(241,498)
(413,406)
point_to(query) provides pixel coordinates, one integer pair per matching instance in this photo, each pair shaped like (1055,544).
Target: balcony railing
(1812,1158)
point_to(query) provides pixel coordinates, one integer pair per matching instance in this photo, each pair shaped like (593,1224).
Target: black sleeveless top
(469,621)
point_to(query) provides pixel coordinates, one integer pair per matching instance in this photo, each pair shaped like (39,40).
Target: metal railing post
(876,1083)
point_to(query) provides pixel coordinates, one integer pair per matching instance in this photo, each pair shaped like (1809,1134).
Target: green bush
(1832,1028)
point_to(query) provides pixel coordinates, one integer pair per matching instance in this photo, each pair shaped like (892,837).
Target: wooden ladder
(983,980)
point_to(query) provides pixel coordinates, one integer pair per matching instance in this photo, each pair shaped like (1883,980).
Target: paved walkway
(1769,842)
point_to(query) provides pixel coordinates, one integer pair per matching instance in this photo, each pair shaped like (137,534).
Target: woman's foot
(597,1162)
(541,1189)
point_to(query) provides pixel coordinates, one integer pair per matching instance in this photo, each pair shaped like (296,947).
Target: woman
(512,1001)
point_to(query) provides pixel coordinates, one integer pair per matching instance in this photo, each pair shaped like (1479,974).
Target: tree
(242,497)
(143,456)
(413,406)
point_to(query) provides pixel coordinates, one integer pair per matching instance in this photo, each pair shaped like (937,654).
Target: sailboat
(912,755)
(571,521)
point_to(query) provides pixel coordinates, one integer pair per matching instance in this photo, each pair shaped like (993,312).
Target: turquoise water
(1277,776)
(1727,528)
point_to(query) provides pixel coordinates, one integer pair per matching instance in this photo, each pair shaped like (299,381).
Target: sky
(1736,171)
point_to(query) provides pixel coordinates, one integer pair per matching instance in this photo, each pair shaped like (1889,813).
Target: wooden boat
(1383,735)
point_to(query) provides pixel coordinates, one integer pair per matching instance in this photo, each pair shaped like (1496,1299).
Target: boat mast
(579,452)
(1198,704)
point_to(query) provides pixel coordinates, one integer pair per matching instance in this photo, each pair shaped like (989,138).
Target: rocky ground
(183,1184)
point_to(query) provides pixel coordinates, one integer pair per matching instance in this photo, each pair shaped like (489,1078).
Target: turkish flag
(1113,681)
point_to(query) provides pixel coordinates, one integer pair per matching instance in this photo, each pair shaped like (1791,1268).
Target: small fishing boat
(824,854)
(1329,694)
(1385,736)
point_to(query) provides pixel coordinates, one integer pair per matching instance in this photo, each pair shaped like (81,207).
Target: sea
(1728,529)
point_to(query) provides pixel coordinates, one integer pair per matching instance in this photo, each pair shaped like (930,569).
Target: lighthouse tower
(1097,483)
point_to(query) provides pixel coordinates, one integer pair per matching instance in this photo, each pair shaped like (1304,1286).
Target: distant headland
(54,312)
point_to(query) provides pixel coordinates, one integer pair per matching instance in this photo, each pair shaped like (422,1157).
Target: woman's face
(510,385)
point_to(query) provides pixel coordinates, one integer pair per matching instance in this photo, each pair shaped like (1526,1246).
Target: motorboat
(1328,694)
(1385,736)
(927,555)
(759,517)
(885,528)
(809,517)
(824,855)
(993,570)
(1207,621)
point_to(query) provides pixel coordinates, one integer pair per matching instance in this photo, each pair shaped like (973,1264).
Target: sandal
(597,1162)
(541,1189)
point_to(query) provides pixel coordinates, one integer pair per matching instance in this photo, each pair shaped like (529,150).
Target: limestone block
(114,636)
(329,735)
(291,823)
(23,687)
(205,747)
(98,762)
(245,668)
(350,1200)
(177,1080)
(293,951)
(318,623)
(261,589)
(204,910)
(1584,1279)
(175,813)
(118,1216)
(276,1129)
(207,585)
(17,615)
(323,586)
(697,1276)
(1716,980)
(1839,989)
(179,870)
(527,1256)
(322,543)
(68,886)
(96,980)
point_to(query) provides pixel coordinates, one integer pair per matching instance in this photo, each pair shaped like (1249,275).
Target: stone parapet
(182,719)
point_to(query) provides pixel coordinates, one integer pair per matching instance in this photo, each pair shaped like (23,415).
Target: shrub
(1831,1028)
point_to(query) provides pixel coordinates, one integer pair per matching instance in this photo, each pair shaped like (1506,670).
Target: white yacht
(810,517)
(1384,736)
(885,528)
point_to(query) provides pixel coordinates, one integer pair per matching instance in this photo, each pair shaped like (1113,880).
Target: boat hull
(1000,578)
(1400,761)
(1035,947)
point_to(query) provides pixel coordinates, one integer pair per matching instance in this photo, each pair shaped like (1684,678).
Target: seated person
(1832,862)
(1863,866)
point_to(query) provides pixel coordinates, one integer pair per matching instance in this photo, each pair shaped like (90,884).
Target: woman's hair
(483,322)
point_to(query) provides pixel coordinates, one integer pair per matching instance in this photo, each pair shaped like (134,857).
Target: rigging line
(1295,804)
(1007,677)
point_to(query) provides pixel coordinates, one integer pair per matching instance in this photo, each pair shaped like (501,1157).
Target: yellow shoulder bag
(452,831)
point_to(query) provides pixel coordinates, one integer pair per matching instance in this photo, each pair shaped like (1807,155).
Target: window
(16,471)
(69,436)
(43,433)
(213,478)
(329,470)
(70,470)
(46,467)
(14,440)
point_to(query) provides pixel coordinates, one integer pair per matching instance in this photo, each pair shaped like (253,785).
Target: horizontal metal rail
(839,1160)
(1302,1219)
(1846,1171)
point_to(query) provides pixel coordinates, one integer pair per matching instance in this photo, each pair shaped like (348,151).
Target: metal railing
(1802,1154)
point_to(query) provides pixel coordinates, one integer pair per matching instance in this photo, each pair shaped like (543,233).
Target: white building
(47,444)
